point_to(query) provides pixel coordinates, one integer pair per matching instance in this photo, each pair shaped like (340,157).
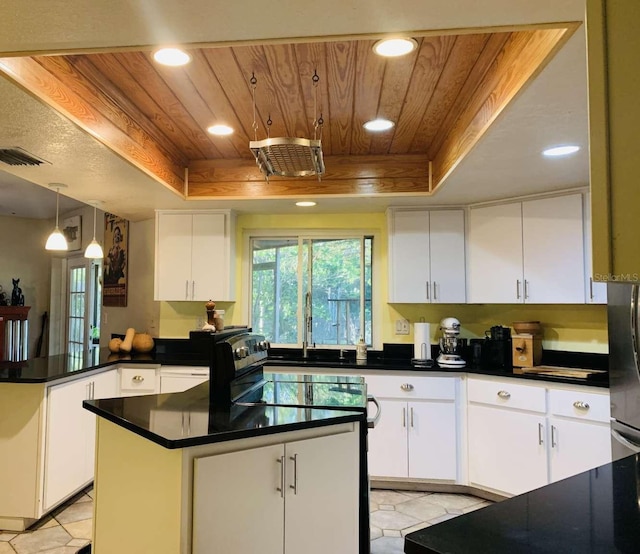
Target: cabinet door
(236,503)
(432,440)
(553,244)
(446,245)
(388,441)
(173,257)
(495,254)
(577,446)
(210,258)
(507,450)
(178,383)
(66,440)
(104,385)
(409,257)
(322,498)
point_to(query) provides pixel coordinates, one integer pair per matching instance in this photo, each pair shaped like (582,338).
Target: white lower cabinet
(506,449)
(523,436)
(70,435)
(294,497)
(417,434)
(179,378)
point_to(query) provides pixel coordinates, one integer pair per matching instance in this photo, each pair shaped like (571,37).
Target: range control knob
(263,345)
(241,352)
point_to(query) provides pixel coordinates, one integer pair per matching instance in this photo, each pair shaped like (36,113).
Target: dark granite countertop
(190,353)
(184,419)
(376,363)
(61,366)
(597,511)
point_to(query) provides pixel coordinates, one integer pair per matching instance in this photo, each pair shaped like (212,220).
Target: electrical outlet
(402,326)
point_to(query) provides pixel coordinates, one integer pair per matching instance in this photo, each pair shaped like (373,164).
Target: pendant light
(56,240)
(94,250)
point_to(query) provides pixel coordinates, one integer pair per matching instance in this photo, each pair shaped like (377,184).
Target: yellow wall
(576,328)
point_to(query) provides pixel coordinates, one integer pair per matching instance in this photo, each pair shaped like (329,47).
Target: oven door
(625,440)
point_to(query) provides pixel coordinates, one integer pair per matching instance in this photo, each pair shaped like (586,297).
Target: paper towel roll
(421,341)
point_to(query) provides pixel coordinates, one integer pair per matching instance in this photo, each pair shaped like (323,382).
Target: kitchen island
(596,511)
(178,473)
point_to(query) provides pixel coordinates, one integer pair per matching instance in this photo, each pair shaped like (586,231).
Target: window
(337,273)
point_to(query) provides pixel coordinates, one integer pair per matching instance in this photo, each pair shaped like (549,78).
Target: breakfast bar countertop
(596,511)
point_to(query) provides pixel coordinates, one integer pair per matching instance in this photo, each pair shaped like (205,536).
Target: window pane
(275,289)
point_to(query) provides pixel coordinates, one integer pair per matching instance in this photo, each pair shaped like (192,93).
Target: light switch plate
(402,326)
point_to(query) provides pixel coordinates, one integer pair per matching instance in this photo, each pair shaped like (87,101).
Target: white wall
(22,255)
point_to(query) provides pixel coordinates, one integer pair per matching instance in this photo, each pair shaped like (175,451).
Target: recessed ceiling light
(305,204)
(378,125)
(561,150)
(220,130)
(171,56)
(394,47)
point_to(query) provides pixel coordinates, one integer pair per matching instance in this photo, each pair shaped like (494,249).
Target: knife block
(527,350)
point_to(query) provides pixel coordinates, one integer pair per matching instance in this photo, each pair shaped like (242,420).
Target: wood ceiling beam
(523,56)
(345,175)
(94,111)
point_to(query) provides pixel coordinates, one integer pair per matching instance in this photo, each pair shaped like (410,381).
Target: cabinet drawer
(580,404)
(508,394)
(138,379)
(396,386)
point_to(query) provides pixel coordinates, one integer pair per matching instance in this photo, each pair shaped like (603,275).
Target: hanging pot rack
(288,156)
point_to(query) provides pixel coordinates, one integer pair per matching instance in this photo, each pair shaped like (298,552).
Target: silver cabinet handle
(93,390)
(411,411)
(518,289)
(87,395)
(280,489)
(186,289)
(553,436)
(294,459)
(540,437)
(526,289)
(580,405)
(435,294)
(591,288)
(427,290)
(504,394)
(137,378)
(404,417)
(193,290)
(406,387)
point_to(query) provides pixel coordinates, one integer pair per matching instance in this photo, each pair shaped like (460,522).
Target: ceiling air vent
(18,156)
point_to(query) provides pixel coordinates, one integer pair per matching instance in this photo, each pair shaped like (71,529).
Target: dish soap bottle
(361,350)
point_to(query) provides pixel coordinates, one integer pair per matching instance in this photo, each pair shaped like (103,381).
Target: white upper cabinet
(194,256)
(531,252)
(426,256)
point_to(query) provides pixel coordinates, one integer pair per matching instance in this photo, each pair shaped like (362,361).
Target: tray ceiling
(442,97)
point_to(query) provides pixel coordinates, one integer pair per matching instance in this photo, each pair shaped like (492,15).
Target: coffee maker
(497,349)
(450,344)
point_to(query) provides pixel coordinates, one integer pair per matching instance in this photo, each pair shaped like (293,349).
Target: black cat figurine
(17,298)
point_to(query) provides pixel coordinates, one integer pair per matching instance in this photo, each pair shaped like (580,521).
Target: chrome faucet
(307,324)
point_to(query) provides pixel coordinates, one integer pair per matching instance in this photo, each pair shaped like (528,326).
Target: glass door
(84,293)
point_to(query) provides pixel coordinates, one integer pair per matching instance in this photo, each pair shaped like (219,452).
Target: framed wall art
(72,231)
(116,261)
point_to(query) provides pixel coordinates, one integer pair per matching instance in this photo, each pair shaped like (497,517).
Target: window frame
(304,233)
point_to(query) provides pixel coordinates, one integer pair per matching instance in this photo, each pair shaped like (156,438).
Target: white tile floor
(393,515)
(396,513)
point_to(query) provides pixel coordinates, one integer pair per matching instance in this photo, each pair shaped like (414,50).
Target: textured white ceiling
(506,162)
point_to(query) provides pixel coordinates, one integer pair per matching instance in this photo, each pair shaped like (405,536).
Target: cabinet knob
(504,394)
(580,405)
(138,379)
(406,387)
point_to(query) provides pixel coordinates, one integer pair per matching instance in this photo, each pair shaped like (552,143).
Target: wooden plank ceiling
(442,98)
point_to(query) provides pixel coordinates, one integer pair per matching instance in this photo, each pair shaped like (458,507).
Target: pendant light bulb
(94,250)
(57,240)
